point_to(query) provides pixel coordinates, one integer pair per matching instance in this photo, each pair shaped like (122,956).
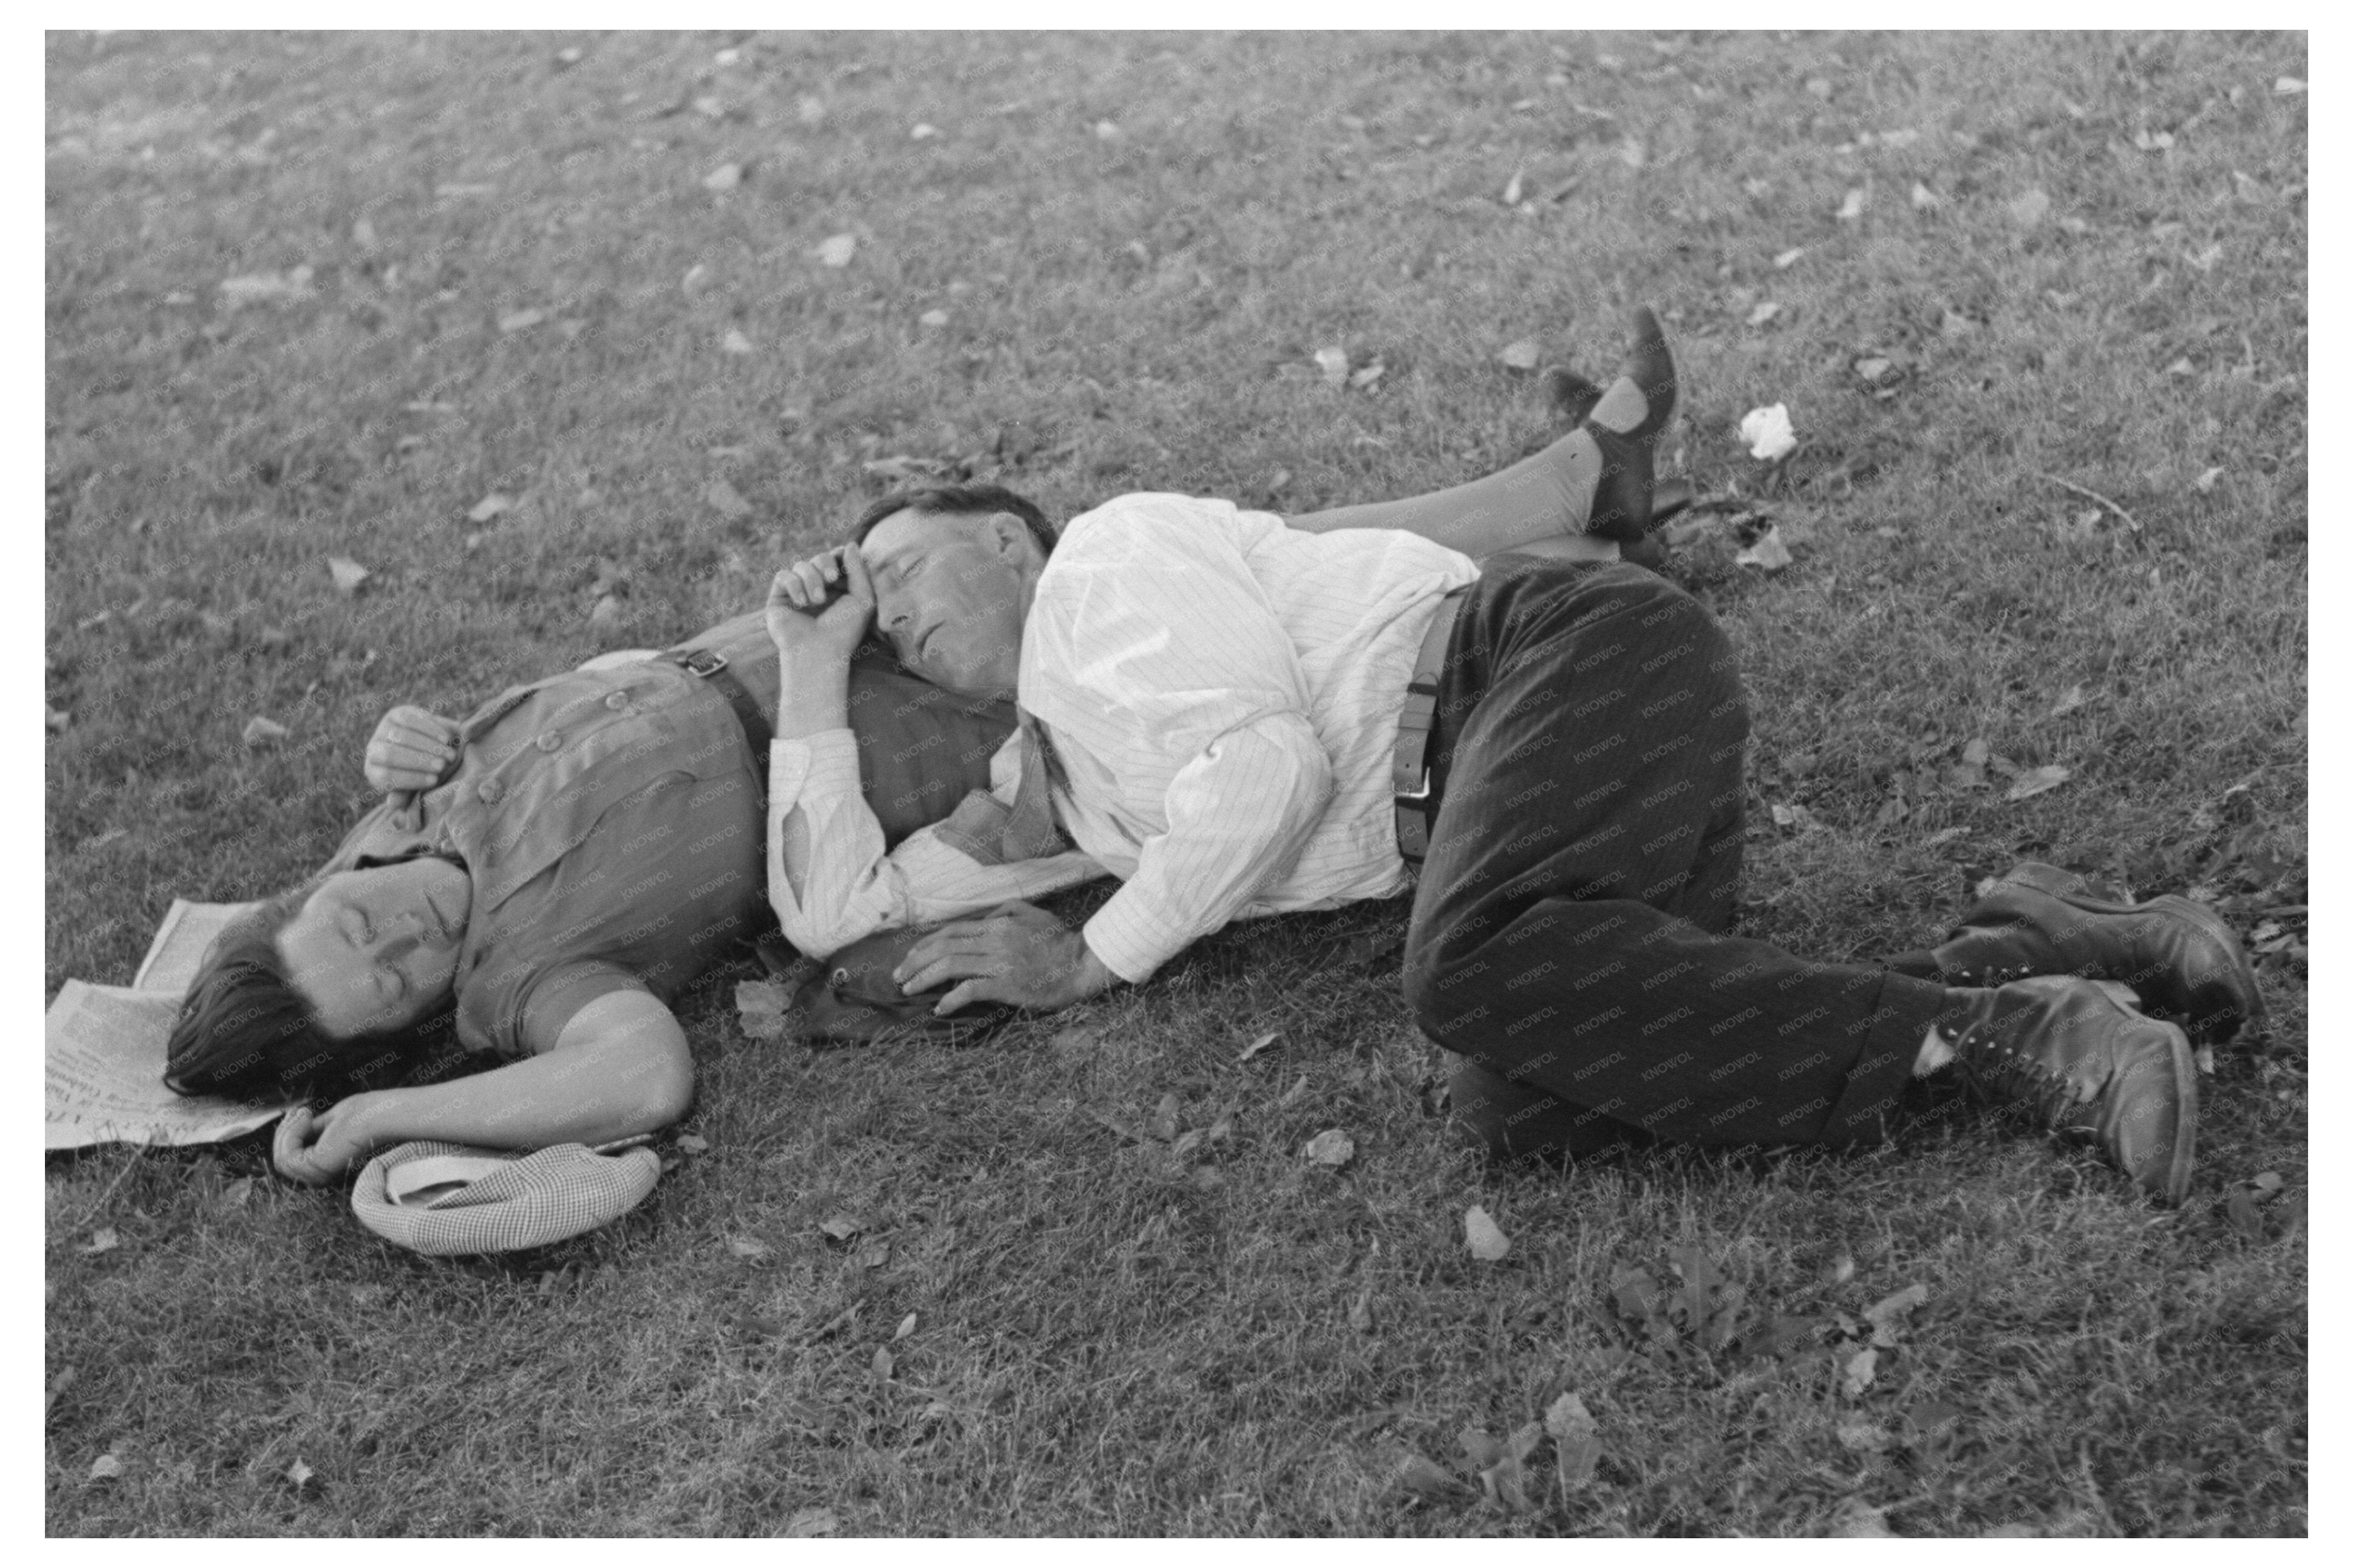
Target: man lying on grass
(543,880)
(1239,717)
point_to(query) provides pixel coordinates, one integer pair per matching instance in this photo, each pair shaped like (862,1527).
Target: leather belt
(713,668)
(1416,809)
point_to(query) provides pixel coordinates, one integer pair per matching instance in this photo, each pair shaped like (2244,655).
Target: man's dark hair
(244,1032)
(959,501)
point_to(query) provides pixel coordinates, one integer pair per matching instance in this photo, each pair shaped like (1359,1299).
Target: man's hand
(412,749)
(1016,953)
(319,1149)
(806,628)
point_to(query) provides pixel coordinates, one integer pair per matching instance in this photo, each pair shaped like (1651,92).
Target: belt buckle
(1418,799)
(703,662)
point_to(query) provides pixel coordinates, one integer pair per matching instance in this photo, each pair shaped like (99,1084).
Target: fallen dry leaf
(884,1363)
(1427,1480)
(488,507)
(105,1467)
(1334,363)
(734,343)
(1506,1477)
(1864,1437)
(1367,377)
(723,499)
(348,574)
(934,319)
(1851,209)
(1483,1237)
(725,178)
(261,731)
(1577,1440)
(1330,1147)
(1259,1044)
(906,1327)
(1856,1519)
(2287,85)
(238,1193)
(838,250)
(1861,1368)
(1360,1316)
(2030,208)
(2068,700)
(2205,483)
(842,1226)
(2038,781)
(759,1003)
(1521,355)
(517,321)
(1889,1315)
(1765,311)
(605,612)
(1769,553)
(747,1246)
(1923,199)
(1162,1122)
(1291,1096)
(811,1521)
(1788,258)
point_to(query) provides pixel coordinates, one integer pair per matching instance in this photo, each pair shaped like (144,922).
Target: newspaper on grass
(103,1049)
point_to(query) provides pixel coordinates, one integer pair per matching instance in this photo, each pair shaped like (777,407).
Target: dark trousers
(1567,940)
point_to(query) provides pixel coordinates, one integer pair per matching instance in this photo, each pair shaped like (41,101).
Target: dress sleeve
(552,996)
(832,882)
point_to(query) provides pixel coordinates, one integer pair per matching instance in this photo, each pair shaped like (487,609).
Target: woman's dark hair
(959,501)
(244,1032)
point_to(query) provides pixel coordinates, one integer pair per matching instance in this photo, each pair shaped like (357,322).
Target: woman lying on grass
(543,880)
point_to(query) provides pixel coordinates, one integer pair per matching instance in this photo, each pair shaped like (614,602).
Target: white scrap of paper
(1767,430)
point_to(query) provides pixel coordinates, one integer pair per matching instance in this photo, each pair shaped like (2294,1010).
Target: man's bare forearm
(812,696)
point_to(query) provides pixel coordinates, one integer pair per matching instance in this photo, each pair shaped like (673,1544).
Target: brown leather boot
(2178,955)
(2084,1062)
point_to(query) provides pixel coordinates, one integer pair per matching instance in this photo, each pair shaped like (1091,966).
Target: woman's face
(376,949)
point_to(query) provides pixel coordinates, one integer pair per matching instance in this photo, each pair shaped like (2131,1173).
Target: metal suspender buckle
(701,662)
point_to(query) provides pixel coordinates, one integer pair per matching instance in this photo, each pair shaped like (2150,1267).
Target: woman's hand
(316,1149)
(806,628)
(412,749)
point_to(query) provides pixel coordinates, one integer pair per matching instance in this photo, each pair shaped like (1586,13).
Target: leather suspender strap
(1417,809)
(713,669)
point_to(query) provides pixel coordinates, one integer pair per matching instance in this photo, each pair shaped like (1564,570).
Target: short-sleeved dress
(612,822)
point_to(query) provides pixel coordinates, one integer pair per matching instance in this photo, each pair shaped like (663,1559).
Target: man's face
(949,592)
(375,948)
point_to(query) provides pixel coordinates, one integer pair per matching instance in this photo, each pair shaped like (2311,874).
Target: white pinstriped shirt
(1223,693)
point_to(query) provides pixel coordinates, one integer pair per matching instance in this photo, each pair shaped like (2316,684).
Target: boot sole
(2185,1132)
(2053,882)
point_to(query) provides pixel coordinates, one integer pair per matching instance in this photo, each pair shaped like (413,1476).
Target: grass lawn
(488,269)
